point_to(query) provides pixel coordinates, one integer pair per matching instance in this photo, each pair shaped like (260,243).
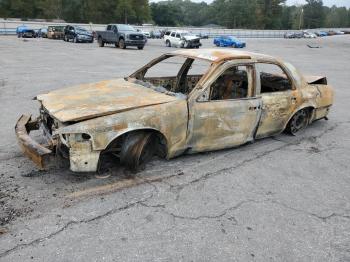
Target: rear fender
(309,105)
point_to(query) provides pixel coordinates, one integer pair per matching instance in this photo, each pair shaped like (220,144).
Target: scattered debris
(3,231)
(314,46)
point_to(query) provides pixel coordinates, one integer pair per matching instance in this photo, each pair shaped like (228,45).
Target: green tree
(314,14)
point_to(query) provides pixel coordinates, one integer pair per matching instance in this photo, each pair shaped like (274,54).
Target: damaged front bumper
(41,155)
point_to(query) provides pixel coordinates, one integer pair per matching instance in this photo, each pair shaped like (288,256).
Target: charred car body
(239,97)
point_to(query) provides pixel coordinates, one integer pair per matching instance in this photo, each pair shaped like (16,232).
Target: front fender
(169,119)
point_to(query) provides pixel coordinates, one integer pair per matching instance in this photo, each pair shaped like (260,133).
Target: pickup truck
(121,36)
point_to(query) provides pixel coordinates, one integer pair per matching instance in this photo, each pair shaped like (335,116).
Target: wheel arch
(309,106)
(118,138)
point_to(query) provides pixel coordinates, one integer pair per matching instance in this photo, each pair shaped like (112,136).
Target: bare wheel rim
(298,122)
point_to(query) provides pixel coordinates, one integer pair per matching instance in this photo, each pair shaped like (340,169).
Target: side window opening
(178,35)
(173,34)
(109,27)
(273,78)
(234,83)
(175,74)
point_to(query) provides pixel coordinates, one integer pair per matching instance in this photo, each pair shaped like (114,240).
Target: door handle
(253,108)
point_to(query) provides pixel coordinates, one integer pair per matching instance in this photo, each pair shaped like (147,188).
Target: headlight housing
(70,139)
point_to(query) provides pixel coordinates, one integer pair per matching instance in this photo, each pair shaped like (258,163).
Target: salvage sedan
(185,101)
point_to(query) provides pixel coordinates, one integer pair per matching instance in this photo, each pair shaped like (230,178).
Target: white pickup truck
(181,39)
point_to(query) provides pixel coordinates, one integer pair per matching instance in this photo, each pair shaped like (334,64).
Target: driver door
(227,112)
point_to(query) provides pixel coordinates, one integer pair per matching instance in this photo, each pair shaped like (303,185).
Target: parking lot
(279,199)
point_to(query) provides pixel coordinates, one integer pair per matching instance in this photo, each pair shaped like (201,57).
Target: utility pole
(301,17)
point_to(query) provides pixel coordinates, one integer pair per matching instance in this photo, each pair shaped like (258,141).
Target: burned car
(185,101)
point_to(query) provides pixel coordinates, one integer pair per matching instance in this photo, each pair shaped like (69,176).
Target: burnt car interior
(175,74)
(232,84)
(273,78)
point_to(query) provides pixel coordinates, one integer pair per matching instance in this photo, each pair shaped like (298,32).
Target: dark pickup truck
(121,36)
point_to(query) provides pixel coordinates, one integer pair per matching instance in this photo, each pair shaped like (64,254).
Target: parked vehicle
(181,39)
(42,32)
(55,32)
(203,35)
(136,117)
(321,33)
(307,34)
(77,34)
(292,35)
(121,36)
(229,41)
(146,33)
(156,34)
(24,31)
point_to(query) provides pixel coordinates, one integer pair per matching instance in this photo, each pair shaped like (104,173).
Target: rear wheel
(298,122)
(122,44)
(137,149)
(100,42)
(167,43)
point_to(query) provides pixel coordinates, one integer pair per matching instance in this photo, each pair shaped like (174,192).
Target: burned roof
(217,55)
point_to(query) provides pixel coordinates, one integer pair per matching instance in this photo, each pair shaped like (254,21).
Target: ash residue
(159,89)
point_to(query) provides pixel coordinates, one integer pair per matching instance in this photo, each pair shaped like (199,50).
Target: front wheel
(122,44)
(167,43)
(75,40)
(100,42)
(298,122)
(140,47)
(137,149)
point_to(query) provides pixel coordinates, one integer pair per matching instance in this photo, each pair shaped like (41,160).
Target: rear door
(227,111)
(279,98)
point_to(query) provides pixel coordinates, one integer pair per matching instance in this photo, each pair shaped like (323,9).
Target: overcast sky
(291,2)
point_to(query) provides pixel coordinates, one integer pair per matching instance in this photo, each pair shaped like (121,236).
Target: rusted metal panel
(98,99)
(39,154)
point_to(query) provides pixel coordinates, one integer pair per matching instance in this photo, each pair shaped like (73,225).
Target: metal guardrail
(8,27)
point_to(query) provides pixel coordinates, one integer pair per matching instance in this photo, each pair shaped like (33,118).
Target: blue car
(229,41)
(321,33)
(24,31)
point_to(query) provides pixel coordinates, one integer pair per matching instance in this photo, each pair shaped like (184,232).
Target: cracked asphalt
(279,199)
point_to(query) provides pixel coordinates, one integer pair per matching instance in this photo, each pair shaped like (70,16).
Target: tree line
(252,14)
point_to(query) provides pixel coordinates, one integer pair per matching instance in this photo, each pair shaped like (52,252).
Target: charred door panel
(223,124)
(277,108)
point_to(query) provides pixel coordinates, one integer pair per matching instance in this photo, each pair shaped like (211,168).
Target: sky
(291,2)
